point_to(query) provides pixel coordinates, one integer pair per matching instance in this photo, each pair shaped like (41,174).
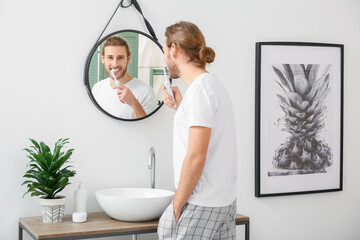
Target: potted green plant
(47,176)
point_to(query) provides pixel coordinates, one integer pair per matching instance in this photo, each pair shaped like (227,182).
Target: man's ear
(103,58)
(128,59)
(174,49)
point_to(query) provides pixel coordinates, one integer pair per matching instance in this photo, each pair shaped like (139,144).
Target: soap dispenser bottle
(80,198)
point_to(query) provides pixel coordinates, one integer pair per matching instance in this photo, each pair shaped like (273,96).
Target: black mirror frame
(86,74)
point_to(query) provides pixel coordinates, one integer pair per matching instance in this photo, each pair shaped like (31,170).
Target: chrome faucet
(152,166)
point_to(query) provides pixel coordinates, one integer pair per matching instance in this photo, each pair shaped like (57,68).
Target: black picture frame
(298,118)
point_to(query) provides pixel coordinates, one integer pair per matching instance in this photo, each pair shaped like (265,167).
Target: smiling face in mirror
(125,75)
(116,60)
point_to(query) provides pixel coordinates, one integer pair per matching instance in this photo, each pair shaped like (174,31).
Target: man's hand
(168,100)
(127,97)
(177,210)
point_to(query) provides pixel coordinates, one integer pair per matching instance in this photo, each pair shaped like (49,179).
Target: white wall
(44,45)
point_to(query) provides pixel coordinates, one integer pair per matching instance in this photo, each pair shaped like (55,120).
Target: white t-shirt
(108,99)
(206,103)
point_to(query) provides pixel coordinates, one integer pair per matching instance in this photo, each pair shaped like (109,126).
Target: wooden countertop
(97,224)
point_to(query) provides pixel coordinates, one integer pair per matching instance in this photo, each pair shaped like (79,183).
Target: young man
(204,145)
(132,98)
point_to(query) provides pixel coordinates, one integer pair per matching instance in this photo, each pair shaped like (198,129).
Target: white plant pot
(52,209)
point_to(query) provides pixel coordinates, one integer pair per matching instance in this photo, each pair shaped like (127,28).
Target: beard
(173,69)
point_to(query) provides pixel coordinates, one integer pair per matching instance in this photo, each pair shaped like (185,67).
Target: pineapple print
(304,90)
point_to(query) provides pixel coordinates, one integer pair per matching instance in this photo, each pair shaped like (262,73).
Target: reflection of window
(150,58)
(97,70)
(154,72)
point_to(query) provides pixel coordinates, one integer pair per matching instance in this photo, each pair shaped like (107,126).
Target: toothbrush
(167,84)
(116,81)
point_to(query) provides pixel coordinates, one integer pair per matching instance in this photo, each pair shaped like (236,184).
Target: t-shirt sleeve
(148,102)
(203,104)
(95,91)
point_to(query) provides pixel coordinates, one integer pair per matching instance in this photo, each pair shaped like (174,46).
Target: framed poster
(299,118)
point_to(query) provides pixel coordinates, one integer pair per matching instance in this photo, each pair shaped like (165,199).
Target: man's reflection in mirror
(132,98)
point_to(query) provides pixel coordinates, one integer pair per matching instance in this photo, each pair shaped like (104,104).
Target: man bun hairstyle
(189,38)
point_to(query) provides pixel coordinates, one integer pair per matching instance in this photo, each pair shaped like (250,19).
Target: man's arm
(192,167)
(138,109)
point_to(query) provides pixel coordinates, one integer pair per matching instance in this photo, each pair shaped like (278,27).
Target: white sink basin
(134,204)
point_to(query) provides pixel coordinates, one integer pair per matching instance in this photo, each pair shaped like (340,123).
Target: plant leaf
(295,99)
(311,73)
(301,84)
(44,148)
(37,146)
(283,79)
(283,100)
(297,69)
(289,74)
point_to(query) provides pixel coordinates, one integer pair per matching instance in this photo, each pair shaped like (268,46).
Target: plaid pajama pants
(198,223)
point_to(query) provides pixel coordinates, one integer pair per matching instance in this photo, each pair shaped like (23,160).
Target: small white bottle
(81,198)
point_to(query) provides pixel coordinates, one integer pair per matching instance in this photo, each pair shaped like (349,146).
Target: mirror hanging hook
(128,4)
(137,6)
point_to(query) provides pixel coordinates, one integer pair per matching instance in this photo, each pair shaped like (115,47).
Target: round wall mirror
(124,75)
